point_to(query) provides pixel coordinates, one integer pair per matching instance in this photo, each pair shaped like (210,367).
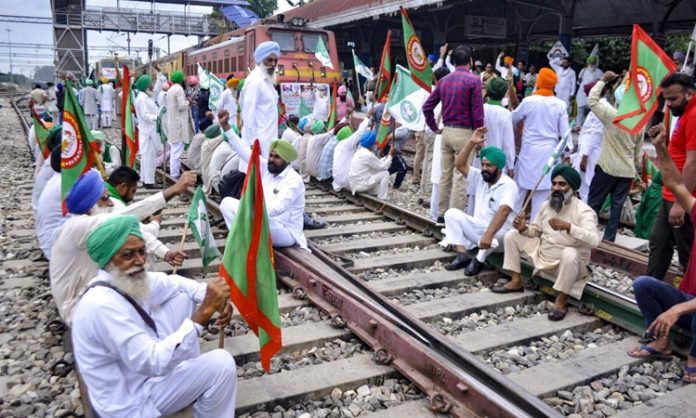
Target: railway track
(374,326)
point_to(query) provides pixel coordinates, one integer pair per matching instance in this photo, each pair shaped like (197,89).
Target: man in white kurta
(135,334)
(89,100)
(284,191)
(565,87)
(498,122)
(146,111)
(178,127)
(228,98)
(368,173)
(193,153)
(259,99)
(70,268)
(320,111)
(589,147)
(588,75)
(343,154)
(220,156)
(49,215)
(545,121)
(315,145)
(106,101)
(494,198)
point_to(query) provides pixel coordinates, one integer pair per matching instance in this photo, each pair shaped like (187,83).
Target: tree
(263,8)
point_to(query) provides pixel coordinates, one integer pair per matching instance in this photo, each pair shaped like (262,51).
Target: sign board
(290,94)
(486,26)
(557,51)
(110,72)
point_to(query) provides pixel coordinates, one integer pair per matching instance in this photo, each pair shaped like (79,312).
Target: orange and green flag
(384,129)
(418,63)
(129,132)
(332,109)
(78,148)
(384,75)
(649,65)
(41,133)
(248,265)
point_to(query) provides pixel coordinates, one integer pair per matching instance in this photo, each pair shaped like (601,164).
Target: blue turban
(85,193)
(368,139)
(432,58)
(265,49)
(303,123)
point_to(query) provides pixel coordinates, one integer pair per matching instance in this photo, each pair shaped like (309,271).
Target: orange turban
(507,60)
(546,81)
(232,82)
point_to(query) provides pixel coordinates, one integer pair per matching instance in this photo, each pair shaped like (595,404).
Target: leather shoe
(441,219)
(473,268)
(502,289)
(460,262)
(310,223)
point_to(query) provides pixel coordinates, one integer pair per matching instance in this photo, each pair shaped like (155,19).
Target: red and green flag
(129,132)
(247,264)
(384,76)
(41,133)
(78,147)
(281,112)
(418,63)
(649,65)
(117,80)
(384,128)
(332,109)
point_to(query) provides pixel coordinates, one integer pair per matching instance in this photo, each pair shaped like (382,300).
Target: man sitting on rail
(110,154)
(341,132)
(88,200)
(368,173)
(135,333)
(284,190)
(661,304)
(343,154)
(122,185)
(558,241)
(494,194)
(315,145)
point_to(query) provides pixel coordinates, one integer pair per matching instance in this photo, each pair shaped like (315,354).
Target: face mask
(618,94)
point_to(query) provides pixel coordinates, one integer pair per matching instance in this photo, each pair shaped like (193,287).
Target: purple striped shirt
(462,101)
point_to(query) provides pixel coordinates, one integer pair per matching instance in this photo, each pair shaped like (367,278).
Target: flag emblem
(645,83)
(72,147)
(415,55)
(409,111)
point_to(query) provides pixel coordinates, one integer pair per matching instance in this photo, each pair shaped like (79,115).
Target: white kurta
(146,111)
(503,69)
(565,87)
(498,120)
(259,103)
(71,268)
(178,114)
(590,144)
(132,371)
(295,139)
(228,102)
(364,165)
(320,111)
(587,75)
(343,154)
(89,99)
(106,100)
(545,121)
(221,154)
(284,193)
(45,174)
(49,214)
(314,147)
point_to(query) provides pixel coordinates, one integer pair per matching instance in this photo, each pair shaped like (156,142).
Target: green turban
(143,83)
(285,149)
(104,241)
(344,133)
(89,82)
(98,135)
(317,127)
(569,174)
(213,131)
(177,77)
(592,59)
(494,155)
(496,88)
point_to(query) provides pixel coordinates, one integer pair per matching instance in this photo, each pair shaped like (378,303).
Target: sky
(25,59)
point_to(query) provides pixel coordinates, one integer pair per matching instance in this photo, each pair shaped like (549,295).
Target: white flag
(323,55)
(203,81)
(557,51)
(595,50)
(361,68)
(406,100)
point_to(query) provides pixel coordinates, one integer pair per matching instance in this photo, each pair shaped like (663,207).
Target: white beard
(263,71)
(99,210)
(132,282)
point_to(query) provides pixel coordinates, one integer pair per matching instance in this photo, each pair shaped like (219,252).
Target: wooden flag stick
(181,244)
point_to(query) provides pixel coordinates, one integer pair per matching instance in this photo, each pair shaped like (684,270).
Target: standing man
(146,111)
(259,99)
(89,100)
(498,122)
(673,225)
(106,101)
(588,75)
(589,147)
(545,120)
(616,168)
(344,104)
(565,87)
(322,104)
(462,112)
(228,98)
(178,116)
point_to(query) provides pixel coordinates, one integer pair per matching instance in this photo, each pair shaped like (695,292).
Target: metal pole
(9,46)
(168,39)
(128,39)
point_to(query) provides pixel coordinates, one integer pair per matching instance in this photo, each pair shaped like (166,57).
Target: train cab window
(309,42)
(286,40)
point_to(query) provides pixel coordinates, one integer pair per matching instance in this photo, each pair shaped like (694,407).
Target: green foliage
(263,8)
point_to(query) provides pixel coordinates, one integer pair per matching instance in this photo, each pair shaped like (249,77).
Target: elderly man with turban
(343,154)
(106,102)
(228,98)
(494,196)
(368,173)
(89,202)
(588,75)
(110,154)
(566,85)
(259,99)
(146,111)
(322,104)
(284,190)
(559,241)
(135,333)
(545,121)
(178,122)
(498,121)
(89,100)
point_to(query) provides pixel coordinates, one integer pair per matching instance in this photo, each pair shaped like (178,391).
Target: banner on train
(290,94)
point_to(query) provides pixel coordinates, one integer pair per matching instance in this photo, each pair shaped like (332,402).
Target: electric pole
(9,46)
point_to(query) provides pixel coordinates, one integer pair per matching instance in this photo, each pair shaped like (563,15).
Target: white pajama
(280,235)
(175,153)
(465,230)
(377,185)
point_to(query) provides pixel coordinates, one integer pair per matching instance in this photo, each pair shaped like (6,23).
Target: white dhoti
(464,230)
(280,235)
(209,381)
(376,185)
(177,150)
(148,155)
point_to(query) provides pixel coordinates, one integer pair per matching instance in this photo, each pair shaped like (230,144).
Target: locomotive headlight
(281,70)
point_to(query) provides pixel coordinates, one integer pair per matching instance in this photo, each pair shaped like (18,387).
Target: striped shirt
(621,152)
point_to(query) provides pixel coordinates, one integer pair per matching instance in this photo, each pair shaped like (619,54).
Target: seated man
(49,212)
(398,165)
(44,171)
(494,194)
(661,304)
(558,241)
(135,333)
(88,200)
(194,152)
(343,154)
(325,170)
(122,185)
(315,145)
(284,191)
(110,154)
(221,155)
(213,139)
(369,174)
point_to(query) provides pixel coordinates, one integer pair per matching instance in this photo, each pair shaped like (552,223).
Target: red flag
(384,78)
(332,109)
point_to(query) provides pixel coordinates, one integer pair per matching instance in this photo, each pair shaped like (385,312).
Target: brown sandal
(557,314)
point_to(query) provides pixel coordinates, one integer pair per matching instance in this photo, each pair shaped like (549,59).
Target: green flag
(384,76)
(247,264)
(332,109)
(406,100)
(304,109)
(40,133)
(322,54)
(199,224)
(418,63)
(649,65)
(384,129)
(216,89)
(77,155)
(361,68)
(203,78)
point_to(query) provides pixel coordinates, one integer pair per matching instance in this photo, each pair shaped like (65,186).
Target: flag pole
(181,244)
(357,75)
(686,58)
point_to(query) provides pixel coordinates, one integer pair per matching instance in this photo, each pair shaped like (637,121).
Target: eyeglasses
(129,254)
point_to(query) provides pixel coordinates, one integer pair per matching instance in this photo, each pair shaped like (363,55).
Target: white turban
(265,49)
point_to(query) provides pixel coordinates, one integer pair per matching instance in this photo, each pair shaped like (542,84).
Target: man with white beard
(136,332)
(88,200)
(259,99)
(588,75)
